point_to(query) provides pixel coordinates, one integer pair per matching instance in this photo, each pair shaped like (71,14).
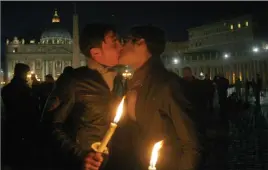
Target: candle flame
(154,155)
(119,111)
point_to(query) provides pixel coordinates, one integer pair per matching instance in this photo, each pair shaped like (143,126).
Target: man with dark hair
(80,110)
(68,70)
(155,109)
(21,114)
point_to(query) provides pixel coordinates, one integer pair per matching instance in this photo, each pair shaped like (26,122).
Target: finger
(92,162)
(98,157)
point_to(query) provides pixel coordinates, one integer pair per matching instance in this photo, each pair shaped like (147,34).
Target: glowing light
(255,49)
(119,111)
(154,156)
(226,55)
(201,74)
(176,61)
(56,18)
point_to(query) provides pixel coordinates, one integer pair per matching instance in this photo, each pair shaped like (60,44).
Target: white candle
(113,125)
(154,155)
(107,137)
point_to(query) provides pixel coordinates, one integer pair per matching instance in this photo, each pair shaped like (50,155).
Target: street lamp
(226,55)
(255,49)
(175,61)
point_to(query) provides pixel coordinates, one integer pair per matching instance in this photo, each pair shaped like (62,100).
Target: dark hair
(153,36)
(187,68)
(92,36)
(68,70)
(21,69)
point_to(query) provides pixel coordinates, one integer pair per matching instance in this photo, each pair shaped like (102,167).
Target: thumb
(98,157)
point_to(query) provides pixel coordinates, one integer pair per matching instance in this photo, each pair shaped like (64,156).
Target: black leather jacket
(80,113)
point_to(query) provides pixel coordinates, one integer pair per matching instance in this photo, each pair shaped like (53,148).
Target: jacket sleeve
(187,134)
(59,107)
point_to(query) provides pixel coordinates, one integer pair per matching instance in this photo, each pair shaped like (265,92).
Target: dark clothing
(209,94)
(80,114)
(222,87)
(160,115)
(44,91)
(195,93)
(160,112)
(257,90)
(21,115)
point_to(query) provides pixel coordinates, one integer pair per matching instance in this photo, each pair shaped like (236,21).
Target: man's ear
(140,42)
(95,53)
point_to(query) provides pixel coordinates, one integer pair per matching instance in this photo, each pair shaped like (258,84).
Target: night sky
(28,19)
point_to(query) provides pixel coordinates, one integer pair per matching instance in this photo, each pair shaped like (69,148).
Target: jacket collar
(94,65)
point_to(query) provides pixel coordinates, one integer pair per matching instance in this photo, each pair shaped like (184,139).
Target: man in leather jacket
(156,109)
(80,109)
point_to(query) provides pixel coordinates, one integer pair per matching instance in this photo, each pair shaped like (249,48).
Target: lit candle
(112,128)
(154,155)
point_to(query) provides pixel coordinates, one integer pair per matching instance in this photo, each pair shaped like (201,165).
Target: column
(255,69)
(53,69)
(47,69)
(43,70)
(33,66)
(250,70)
(62,66)
(262,72)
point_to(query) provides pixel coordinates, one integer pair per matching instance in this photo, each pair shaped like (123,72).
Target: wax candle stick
(113,125)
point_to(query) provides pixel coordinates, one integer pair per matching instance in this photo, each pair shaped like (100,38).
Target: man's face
(130,53)
(109,52)
(187,73)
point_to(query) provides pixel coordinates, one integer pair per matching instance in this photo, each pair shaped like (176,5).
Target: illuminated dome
(56,35)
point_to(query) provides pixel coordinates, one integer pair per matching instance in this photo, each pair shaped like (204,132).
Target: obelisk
(76,50)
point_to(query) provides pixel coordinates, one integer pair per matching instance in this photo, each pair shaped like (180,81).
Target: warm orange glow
(119,111)
(154,155)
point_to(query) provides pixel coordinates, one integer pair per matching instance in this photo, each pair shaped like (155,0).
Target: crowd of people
(52,125)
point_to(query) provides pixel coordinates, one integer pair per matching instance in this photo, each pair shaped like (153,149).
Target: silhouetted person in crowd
(45,89)
(35,85)
(247,87)
(222,87)
(238,86)
(257,90)
(210,89)
(21,115)
(195,94)
(35,82)
(64,78)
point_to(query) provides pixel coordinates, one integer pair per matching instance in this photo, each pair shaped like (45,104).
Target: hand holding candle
(154,155)
(112,128)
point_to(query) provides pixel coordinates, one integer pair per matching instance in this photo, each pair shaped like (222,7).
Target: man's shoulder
(83,72)
(168,80)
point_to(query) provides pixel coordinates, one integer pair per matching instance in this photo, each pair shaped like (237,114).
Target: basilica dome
(55,34)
